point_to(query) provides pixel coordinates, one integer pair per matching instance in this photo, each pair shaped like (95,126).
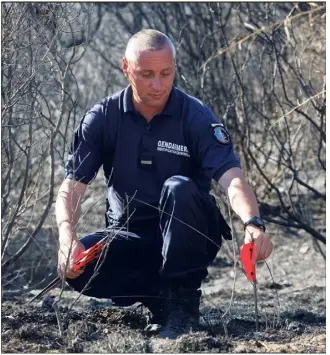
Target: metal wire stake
(256,305)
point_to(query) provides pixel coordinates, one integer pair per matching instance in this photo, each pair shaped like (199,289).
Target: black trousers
(175,253)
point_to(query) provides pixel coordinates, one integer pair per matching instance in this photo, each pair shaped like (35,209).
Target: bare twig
(295,108)
(259,32)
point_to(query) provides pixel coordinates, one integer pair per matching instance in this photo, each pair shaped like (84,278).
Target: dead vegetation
(291,310)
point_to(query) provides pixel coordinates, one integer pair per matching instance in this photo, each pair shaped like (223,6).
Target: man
(159,148)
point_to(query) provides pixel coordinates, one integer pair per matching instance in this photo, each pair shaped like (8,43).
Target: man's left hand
(263,246)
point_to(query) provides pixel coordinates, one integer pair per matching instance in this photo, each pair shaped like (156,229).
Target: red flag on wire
(246,258)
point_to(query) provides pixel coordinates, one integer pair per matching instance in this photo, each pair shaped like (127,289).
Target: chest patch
(173,148)
(220,133)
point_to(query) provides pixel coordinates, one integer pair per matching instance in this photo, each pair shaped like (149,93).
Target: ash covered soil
(291,310)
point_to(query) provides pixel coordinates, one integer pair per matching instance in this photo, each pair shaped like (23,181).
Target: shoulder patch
(220,133)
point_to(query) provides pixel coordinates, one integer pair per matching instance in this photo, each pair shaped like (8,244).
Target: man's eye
(147,75)
(166,74)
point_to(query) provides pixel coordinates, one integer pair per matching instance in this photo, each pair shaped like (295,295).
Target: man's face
(151,76)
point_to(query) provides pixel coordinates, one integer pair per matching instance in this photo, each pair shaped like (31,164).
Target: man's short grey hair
(147,40)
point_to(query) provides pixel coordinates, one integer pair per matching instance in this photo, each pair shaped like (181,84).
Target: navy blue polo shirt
(137,156)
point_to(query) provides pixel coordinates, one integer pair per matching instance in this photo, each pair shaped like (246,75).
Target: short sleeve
(85,153)
(210,142)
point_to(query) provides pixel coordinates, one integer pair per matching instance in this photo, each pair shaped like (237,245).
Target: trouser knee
(190,230)
(181,187)
(128,270)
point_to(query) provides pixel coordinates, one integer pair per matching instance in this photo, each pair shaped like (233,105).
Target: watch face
(259,221)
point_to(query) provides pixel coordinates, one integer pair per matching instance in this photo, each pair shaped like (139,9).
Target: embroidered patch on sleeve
(220,133)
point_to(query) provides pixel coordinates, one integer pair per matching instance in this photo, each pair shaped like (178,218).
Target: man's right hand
(67,254)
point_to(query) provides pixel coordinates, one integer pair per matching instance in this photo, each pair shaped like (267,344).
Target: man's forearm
(242,199)
(67,209)
(244,203)
(241,196)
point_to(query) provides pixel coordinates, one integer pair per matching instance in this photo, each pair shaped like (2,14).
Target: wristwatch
(255,221)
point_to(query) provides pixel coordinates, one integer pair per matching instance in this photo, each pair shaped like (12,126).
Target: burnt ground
(291,310)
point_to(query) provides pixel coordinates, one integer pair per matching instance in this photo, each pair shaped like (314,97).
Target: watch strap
(255,221)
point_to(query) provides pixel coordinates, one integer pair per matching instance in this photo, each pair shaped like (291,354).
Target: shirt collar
(169,109)
(128,102)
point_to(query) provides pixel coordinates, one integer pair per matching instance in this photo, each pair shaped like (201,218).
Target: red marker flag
(88,255)
(246,258)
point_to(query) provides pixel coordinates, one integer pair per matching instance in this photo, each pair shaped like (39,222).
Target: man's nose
(155,83)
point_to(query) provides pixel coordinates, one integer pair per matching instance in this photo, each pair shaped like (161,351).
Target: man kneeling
(159,149)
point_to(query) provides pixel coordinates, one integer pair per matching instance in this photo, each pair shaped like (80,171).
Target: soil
(291,313)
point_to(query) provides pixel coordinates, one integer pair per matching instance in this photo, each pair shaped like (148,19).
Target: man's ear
(124,66)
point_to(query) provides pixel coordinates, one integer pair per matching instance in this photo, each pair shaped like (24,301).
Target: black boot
(157,307)
(183,312)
